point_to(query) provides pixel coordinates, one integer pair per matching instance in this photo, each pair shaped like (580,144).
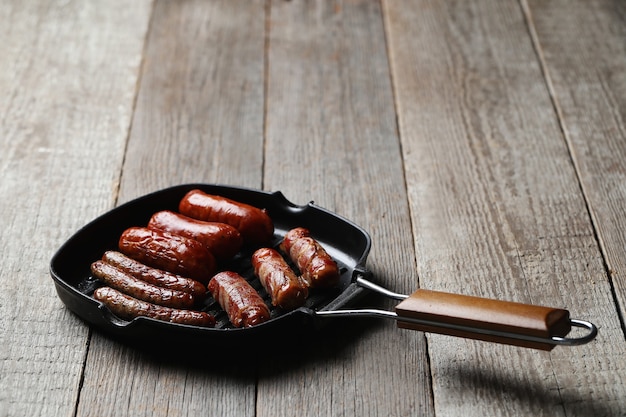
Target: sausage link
(291,236)
(127,307)
(164,250)
(154,276)
(284,287)
(318,268)
(221,239)
(254,224)
(242,303)
(137,288)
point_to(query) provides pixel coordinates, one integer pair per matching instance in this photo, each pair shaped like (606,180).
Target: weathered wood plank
(199,117)
(497,209)
(66,94)
(332,138)
(585,57)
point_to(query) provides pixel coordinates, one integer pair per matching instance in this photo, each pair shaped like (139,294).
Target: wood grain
(67,86)
(481,144)
(199,117)
(584,56)
(497,209)
(332,138)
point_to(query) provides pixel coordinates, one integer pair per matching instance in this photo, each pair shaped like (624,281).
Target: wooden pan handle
(484,315)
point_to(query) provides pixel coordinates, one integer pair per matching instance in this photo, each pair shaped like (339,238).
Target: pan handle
(478,318)
(484,319)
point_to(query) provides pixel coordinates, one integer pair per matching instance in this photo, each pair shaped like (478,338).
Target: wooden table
(481,144)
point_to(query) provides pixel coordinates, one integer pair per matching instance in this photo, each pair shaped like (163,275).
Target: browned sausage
(127,307)
(242,303)
(253,223)
(221,239)
(154,276)
(137,288)
(291,236)
(284,287)
(318,268)
(164,250)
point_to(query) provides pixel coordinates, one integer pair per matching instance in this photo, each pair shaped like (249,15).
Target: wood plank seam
(570,147)
(394,93)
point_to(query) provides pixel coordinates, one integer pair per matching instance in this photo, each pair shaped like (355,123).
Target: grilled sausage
(318,268)
(242,303)
(154,276)
(137,288)
(291,236)
(127,307)
(284,287)
(221,239)
(253,223)
(164,250)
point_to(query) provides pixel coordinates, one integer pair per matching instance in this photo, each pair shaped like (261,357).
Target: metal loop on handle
(575,341)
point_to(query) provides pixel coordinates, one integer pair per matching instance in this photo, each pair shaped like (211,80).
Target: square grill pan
(346,242)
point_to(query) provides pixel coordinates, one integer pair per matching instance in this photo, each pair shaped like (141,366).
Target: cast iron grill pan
(457,315)
(346,242)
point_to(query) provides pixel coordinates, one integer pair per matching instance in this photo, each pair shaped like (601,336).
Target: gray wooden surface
(481,144)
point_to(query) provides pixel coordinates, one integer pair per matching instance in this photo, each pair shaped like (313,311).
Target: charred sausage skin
(127,307)
(221,239)
(154,276)
(254,224)
(137,288)
(318,268)
(167,251)
(281,283)
(244,306)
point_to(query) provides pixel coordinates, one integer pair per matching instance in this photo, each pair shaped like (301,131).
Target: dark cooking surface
(70,267)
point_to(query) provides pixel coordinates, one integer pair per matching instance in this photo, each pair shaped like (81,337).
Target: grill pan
(347,243)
